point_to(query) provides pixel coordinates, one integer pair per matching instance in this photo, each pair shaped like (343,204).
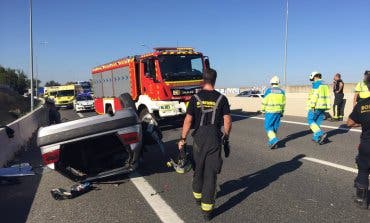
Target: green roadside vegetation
(14,100)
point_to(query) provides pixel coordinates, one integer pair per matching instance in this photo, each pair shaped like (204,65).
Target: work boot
(207,215)
(361,198)
(322,138)
(274,144)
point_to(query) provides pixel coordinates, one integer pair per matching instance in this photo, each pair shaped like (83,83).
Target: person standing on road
(54,115)
(318,102)
(207,111)
(273,105)
(360,116)
(361,91)
(338,87)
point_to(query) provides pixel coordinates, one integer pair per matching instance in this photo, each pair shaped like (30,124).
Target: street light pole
(286,44)
(37,57)
(31,56)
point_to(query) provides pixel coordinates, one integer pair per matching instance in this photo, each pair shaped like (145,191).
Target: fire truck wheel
(127,102)
(143,113)
(109,110)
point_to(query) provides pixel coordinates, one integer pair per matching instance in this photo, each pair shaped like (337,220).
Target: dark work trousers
(208,163)
(338,110)
(363,165)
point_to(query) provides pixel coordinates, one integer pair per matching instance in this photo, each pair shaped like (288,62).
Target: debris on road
(17,170)
(75,191)
(13,173)
(165,189)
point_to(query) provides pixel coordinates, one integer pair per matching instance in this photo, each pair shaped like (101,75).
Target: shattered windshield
(181,67)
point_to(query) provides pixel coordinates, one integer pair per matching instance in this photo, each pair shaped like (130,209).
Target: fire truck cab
(160,83)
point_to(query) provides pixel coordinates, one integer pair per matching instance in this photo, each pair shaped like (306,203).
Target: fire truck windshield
(181,67)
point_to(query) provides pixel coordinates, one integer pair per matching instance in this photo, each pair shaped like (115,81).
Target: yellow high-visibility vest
(319,97)
(362,90)
(274,101)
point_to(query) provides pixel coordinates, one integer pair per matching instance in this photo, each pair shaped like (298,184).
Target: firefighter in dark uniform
(207,111)
(360,116)
(338,87)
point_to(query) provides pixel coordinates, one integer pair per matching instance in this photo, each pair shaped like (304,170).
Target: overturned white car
(99,146)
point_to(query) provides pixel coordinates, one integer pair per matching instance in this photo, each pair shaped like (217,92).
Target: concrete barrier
(295,104)
(24,128)
(349,88)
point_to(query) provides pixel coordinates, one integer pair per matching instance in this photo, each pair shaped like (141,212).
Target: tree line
(14,78)
(18,80)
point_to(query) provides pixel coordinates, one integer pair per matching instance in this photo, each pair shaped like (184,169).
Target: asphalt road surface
(302,182)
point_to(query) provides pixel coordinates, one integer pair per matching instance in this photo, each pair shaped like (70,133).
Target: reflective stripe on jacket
(362,90)
(273,100)
(319,97)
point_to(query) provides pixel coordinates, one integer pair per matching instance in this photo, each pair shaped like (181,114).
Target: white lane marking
(165,213)
(338,166)
(300,123)
(79,114)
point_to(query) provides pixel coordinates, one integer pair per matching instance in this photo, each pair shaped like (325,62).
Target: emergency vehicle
(65,95)
(51,92)
(160,83)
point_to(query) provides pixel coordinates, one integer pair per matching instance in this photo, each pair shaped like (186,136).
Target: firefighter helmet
(314,74)
(275,80)
(184,161)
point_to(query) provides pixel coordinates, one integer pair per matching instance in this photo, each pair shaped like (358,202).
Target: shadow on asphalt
(344,129)
(294,136)
(243,115)
(16,198)
(155,162)
(255,182)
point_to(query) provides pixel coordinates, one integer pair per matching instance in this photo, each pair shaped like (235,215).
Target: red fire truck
(160,83)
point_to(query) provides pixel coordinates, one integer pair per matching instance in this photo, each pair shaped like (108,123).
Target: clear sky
(243,38)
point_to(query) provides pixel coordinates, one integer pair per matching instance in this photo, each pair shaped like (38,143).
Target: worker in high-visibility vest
(361,90)
(273,105)
(318,102)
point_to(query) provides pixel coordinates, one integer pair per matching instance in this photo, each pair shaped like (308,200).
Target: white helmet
(275,80)
(313,74)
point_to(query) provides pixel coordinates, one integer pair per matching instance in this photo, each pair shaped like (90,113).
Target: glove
(226,145)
